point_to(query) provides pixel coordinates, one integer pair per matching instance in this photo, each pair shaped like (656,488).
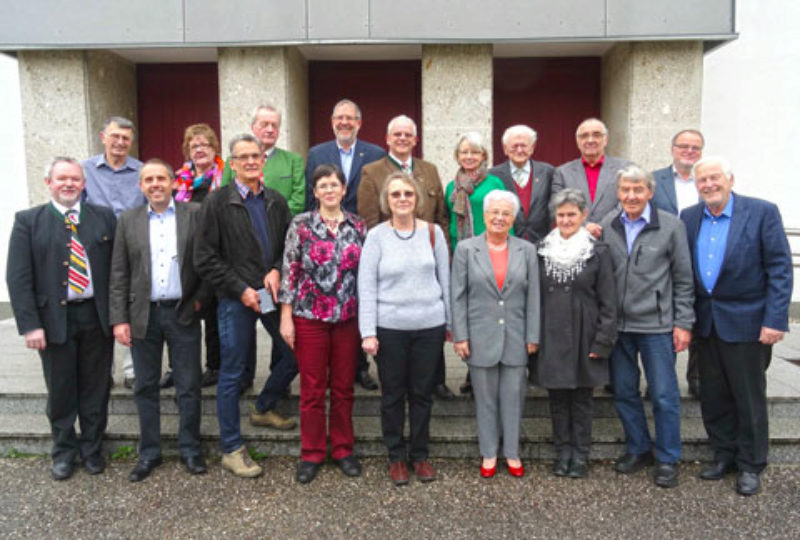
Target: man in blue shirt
(743,287)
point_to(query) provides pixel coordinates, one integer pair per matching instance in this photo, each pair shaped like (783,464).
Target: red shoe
(517,472)
(488,473)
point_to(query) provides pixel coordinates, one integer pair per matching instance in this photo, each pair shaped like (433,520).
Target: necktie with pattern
(521,178)
(78,270)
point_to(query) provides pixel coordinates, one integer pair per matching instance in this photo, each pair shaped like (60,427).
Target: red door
(382,91)
(170,98)
(552,95)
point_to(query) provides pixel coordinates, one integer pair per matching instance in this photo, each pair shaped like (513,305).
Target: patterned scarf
(186,182)
(465,185)
(565,258)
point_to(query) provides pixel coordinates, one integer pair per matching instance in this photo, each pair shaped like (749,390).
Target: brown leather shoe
(424,471)
(271,418)
(398,472)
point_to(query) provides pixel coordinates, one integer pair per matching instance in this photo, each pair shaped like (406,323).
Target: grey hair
(605,128)
(634,173)
(48,170)
(568,196)
(121,121)
(501,195)
(475,141)
(519,129)
(724,164)
(265,107)
(347,102)
(399,118)
(246,137)
(692,131)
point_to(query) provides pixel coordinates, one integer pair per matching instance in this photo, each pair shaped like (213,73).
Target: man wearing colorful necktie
(59,259)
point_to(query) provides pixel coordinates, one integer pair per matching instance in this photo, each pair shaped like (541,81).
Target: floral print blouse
(320,268)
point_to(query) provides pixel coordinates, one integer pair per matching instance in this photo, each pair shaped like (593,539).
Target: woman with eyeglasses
(404,314)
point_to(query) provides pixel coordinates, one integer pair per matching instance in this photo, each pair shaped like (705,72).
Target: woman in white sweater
(404,317)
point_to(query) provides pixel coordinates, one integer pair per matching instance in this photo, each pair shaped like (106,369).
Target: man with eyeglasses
(240,241)
(112,180)
(594,173)
(350,154)
(401,138)
(675,190)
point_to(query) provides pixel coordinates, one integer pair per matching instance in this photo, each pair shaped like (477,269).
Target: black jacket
(227,252)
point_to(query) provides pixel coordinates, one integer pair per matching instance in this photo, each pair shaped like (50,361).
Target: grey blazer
(129,290)
(572,175)
(497,323)
(537,224)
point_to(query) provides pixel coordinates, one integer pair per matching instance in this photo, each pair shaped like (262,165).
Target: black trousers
(407,361)
(77,375)
(692,369)
(733,400)
(571,414)
(184,357)
(211,334)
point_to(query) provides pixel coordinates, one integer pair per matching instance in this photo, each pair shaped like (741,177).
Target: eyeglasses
(404,194)
(328,187)
(345,118)
(591,134)
(688,147)
(117,137)
(248,157)
(199,146)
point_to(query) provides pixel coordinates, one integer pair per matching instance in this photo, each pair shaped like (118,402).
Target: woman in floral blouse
(318,320)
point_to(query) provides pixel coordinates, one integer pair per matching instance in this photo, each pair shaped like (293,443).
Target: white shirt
(165,272)
(88,292)
(685,191)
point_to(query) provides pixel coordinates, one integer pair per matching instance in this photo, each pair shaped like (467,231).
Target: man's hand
(594,229)
(370,345)
(532,347)
(122,333)
(681,339)
(35,339)
(462,349)
(770,336)
(250,299)
(197,305)
(272,282)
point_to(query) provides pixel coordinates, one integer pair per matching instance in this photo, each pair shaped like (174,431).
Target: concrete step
(450,437)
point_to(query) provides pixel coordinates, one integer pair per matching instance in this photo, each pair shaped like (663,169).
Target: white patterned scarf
(565,258)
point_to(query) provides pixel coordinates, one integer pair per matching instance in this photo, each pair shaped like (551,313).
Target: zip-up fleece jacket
(655,283)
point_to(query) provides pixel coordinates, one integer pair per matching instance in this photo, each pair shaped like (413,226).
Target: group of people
(564,277)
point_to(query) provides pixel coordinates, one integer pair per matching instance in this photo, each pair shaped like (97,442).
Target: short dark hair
(325,170)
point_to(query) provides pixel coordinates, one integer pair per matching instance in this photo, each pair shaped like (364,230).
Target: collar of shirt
(645,217)
(676,175)
(271,152)
(102,162)
(245,190)
(348,152)
(399,162)
(63,209)
(525,168)
(597,164)
(727,211)
(170,209)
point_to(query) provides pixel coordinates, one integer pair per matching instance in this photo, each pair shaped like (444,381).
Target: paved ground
(172,504)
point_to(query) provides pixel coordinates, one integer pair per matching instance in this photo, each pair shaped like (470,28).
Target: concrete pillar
(251,76)
(650,91)
(456,98)
(66,96)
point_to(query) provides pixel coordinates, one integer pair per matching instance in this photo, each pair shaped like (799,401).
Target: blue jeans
(658,359)
(236,331)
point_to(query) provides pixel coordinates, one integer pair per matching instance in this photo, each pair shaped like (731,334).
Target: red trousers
(326,355)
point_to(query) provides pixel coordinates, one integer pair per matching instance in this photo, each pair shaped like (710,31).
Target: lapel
(358,160)
(142,227)
(484,262)
(579,174)
(537,185)
(692,223)
(515,260)
(669,188)
(603,180)
(182,228)
(740,215)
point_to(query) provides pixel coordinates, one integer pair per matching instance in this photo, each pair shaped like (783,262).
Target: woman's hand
(462,349)
(287,331)
(532,347)
(370,345)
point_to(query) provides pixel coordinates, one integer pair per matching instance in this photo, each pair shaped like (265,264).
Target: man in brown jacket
(401,138)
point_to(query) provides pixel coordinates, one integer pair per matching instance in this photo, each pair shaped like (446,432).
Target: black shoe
(94,464)
(194,464)
(129,382)
(465,388)
(349,466)
(365,380)
(442,392)
(748,483)
(608,389)
(579,468)
(717,470)
(166,380)
(631,463)
(61,470)
(209,378)
(694,388)
(143,469)
(666,475)
(306,471)
(561,467)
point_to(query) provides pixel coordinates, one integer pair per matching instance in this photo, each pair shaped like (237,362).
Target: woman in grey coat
(495,301)
(579,327)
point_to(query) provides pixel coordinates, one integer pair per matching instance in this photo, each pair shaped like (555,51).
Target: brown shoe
(398,472)
(240,464)
(271,418)
(424,471)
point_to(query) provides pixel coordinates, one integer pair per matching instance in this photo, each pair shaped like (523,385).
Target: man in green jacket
(283,170)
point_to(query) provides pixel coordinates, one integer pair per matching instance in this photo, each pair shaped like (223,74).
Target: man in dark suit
(743,287)
(594,173)
(530,180)
(57,275)
(675,190)
(350,155)
(154,297)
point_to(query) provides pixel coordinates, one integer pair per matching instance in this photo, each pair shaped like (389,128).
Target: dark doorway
(170,98)
(552,95)
(382,90)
